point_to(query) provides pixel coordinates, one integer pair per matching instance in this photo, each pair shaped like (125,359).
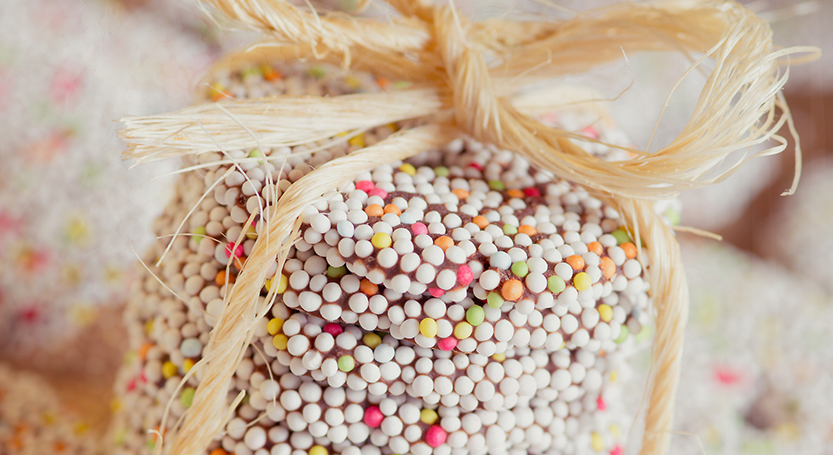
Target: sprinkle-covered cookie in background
(69,207)
(757,366)
(461,299)
(33,421)
(799,236)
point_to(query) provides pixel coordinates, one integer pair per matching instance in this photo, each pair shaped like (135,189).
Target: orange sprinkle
(460,193)
(515,193)
(575,261)
(480,221)
(444,242)
(630,249)
(512,290)
(218,451)
(220,279)
(374,210)
(368,288)
(383,82)
(240,262)
(390,208)
(60,446)
(271,74)
(607,266)
(527,229)
(595,247)
(142,352)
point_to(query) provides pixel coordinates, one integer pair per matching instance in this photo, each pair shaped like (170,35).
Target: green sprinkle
(623,334)
(317,72)
(621,236)
(520,269)
(151,443)
(249,72)
(187,397)
(199,233)
(475,315)
(402,84)
(497,185)
(494,300)
(441,171)
(555,284)
(346,363)
(255,154)
(336,272)
(644,334)
(673,216)
(508,229)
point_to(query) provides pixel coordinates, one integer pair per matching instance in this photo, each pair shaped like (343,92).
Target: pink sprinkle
(333,329)
(464,275)
(616,451)
(726,375)
(373,417)
(237,252)
(590,132)
(131,385)
(532,192)
(378,192)
(477,166)
(447,344)
(600,404)
(419,228)
(365,185)
(435,436)
(436,292)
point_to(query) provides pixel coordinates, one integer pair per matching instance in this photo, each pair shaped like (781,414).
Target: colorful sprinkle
(372,340)
(373,417)
(520,269)
(582,281)
(463,330)
(494,300)
(381,240)
(512,290)
(428,327)
(475,316)
(621,236)
(435,436)
(605,312)
(346,363)
(447,344)
(274,326)
(199,234)
(428,416)
(408,169)
(556,284)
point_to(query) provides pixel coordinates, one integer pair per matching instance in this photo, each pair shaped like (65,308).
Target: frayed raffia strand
(233,331)
(445,55)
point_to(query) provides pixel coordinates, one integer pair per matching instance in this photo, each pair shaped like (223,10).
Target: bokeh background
(758,370)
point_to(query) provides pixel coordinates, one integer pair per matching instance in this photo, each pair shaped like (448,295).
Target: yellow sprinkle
(318,450)
(49,418)
(563,343)
(614,375)
(605,312)
(393,126)
(353,82)
(274,326)
(342,134)
(408,169)
(462,330)
(428,327)
(148,326)
(380,240)
(251,233)
(428,416)
(357,140)
(81,428)
(169,370)
(615,431)
(499,357)
(115,404)
(582,281)
(187,364)
(281,287)
(372,340)
(279,342)
(597,442)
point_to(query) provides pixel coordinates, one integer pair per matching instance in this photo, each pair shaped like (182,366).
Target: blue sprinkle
(345,228)
(500,260)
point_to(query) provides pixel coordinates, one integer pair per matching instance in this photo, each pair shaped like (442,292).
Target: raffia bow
(464,78)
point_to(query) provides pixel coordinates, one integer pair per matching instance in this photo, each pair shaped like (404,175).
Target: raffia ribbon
(465,75)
